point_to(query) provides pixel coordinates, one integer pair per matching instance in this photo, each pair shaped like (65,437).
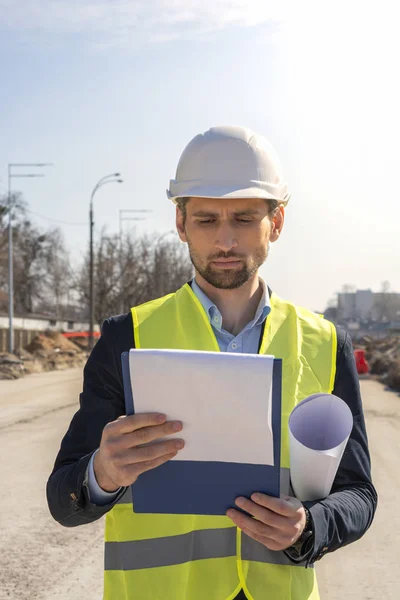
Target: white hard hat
(229,162)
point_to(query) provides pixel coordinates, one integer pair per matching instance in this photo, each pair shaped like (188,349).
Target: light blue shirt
(247,342)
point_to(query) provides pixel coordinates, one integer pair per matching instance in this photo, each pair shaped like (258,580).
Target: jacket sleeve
(346,514)
(101,401)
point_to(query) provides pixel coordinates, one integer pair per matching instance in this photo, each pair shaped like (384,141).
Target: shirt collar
(263,309)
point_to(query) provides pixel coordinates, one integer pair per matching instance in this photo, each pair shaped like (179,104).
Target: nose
(225,239)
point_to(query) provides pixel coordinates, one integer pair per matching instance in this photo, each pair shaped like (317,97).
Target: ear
(180,227)
(277,223)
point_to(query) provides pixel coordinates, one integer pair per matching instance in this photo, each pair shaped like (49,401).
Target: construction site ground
(43,561)
(49,351)
(52,351)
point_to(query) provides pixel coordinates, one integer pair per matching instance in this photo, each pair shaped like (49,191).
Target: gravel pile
(47,352)
(383,357)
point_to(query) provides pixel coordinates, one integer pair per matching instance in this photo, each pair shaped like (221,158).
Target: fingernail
(256,497)
(179,444)
(240,501)
(160,418)
(177,426)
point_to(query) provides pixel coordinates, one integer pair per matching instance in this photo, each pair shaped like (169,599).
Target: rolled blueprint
(319,428)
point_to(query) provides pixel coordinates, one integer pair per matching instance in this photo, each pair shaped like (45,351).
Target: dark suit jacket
(339,519)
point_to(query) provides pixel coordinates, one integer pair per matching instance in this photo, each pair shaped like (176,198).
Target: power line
(55,220)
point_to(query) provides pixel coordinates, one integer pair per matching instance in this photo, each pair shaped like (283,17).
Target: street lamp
(112,178)
(10,244)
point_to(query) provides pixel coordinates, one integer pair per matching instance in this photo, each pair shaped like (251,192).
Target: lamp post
(112,178)
(10,244)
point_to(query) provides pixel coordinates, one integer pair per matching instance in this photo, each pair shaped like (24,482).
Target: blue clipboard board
(205,488)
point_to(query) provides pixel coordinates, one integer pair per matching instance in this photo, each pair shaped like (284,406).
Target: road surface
(44,561)
(40,560)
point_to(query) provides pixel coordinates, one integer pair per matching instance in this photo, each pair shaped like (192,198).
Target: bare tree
(30,274)
(19,213)
(58,278)
(40,261)
(128,271)
(156,265)
(172,266)
(133,270)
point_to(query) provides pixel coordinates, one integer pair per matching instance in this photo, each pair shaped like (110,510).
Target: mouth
(226,263)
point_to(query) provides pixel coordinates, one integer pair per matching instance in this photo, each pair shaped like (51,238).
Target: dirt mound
(51,342)
(47,352)
(392,378)
(54,351)
(11,367)
(380,364)
(383,357)
(83,343)
(14,366)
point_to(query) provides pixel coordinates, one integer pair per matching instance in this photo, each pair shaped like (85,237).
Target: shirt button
(234,345)
(216,319)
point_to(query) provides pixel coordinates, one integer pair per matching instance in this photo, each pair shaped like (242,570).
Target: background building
(365,305)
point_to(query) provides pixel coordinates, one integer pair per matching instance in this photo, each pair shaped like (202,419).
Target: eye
(243,220)
(206,221)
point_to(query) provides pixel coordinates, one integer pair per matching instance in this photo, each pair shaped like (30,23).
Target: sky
(98,87)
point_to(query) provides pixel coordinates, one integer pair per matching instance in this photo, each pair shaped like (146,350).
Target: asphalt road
(41,560)
(369,568)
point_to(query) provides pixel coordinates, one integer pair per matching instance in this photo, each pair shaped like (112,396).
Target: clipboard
(205,487)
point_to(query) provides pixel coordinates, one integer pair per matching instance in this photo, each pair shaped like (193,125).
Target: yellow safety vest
(199,557)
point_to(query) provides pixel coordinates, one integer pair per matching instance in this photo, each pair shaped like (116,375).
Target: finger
(266,516)
(259,538)
(145,435)
(274,539)
(154,451)
(270,543)
(256,527)
(129,423)
(129,473)
(152,464)
(285,506)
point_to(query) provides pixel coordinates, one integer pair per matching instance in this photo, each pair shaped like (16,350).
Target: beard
(228,279)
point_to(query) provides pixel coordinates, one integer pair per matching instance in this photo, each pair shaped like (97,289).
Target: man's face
(228,238)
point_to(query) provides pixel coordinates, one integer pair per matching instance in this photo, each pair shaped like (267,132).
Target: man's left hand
(275,522)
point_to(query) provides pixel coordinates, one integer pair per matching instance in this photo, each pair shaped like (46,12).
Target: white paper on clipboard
(223,399)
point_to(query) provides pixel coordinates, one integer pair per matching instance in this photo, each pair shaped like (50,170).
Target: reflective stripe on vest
(178,549)
(192,557)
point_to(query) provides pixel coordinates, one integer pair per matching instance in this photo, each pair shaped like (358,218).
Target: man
(231,199)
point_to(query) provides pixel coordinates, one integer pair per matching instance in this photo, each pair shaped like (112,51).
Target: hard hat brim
(227,192)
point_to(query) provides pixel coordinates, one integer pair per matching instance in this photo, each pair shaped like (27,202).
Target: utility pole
(113,178)
(125,218)
(10,244)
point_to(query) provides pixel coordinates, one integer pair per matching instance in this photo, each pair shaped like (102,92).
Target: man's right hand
(129,447)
